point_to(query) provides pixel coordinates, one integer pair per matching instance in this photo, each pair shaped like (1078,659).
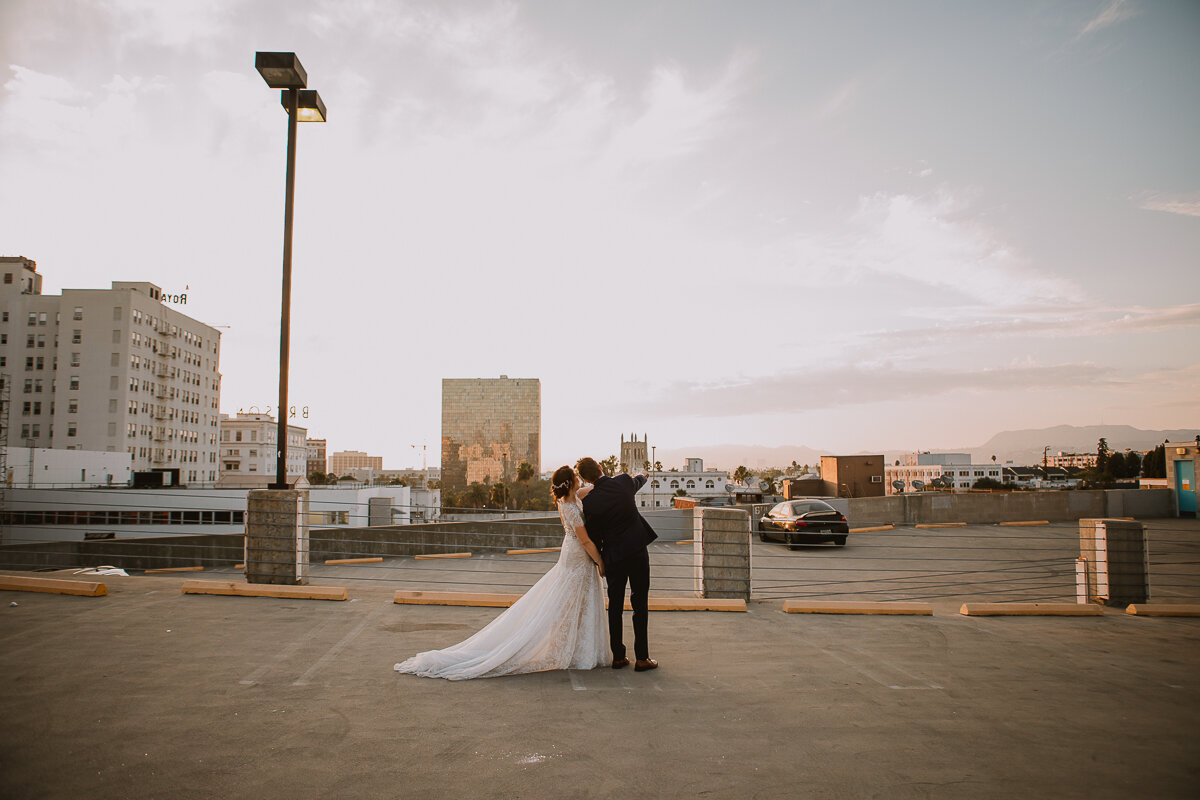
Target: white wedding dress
(560,623)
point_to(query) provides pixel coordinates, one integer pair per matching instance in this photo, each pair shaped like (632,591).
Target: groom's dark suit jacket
(612,519)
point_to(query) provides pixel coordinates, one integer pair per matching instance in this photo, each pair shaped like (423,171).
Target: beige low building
(344,462)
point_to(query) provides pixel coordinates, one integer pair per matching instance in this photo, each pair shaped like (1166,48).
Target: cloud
(1187,205)
(677,119)
(807,390)
(1114,12)
(174,24)
(840,101)
(1062,323)
(44,109)
(926,240)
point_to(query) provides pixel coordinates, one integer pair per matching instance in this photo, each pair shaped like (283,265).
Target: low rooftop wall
(986,507)
(484,536)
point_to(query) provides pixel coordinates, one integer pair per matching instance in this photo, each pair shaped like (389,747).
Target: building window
(74,385)
(29,341)
(42,318)
(78,313)
(72,406)
(8,277)
(237,436)
(74,359)
(71,429)
(32,318)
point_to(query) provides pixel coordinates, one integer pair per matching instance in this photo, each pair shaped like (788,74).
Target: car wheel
(791,542)
(840,541)
(762,536)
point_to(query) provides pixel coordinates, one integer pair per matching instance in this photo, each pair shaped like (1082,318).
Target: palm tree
(740,474)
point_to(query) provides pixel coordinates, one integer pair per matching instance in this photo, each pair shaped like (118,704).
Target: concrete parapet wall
(213,550)
(159,552)
(981,508)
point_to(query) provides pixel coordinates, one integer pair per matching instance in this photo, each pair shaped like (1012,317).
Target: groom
(621,534)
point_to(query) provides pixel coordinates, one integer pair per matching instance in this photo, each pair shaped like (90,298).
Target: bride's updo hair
(560,484)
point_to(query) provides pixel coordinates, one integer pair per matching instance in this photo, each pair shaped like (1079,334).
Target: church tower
(634,454)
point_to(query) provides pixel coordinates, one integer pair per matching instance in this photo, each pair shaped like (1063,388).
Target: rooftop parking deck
(147,692)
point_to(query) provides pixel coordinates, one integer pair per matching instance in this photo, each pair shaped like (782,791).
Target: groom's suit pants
(634,570)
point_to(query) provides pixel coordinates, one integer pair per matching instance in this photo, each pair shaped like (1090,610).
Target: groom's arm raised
(638,480)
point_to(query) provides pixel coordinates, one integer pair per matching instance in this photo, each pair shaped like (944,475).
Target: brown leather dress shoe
(620,662)
(644,664)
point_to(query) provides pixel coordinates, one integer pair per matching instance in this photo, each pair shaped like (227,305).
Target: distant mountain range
(1020,447)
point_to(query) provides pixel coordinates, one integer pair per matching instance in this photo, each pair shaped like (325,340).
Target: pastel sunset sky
(858,225)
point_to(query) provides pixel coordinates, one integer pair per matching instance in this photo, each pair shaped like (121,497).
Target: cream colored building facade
(248,451)
(113,370)
(343,461)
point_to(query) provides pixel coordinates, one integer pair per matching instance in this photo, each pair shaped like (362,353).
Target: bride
(560,623)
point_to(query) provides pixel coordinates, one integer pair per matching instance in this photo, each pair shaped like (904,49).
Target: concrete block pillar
(721,546)
(277,536)
(1113,566)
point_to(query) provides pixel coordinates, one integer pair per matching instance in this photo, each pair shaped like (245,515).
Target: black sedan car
(796,522)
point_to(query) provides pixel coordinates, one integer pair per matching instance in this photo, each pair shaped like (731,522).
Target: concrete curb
(1026,523)
(442,555)
(375,560)
(873,528)
(531,551)
(173,569)
(1031,609)
(941,525)
(805,607)
(13,583)
(1164,609)
(234,589)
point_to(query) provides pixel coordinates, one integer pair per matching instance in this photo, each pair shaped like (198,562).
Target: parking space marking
(332,652)
(894,681)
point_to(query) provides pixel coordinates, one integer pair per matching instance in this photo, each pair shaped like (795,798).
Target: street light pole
(653,477)
(285,317)
(284,71)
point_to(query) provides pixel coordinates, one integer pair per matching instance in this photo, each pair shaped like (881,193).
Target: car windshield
(811,505)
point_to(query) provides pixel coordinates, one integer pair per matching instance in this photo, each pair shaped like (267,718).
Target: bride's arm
(584,491)
(589,546)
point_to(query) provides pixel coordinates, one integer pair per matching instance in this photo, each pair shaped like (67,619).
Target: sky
(859,225)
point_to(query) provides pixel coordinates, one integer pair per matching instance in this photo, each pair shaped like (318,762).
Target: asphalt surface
(151,693)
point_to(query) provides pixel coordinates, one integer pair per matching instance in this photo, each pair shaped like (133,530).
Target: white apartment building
(248,451)
(113,370)
(698,482)
(927,467)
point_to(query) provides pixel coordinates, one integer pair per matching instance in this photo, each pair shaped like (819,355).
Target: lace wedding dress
(560,623)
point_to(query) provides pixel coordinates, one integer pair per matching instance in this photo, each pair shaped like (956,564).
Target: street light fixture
(284,71)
